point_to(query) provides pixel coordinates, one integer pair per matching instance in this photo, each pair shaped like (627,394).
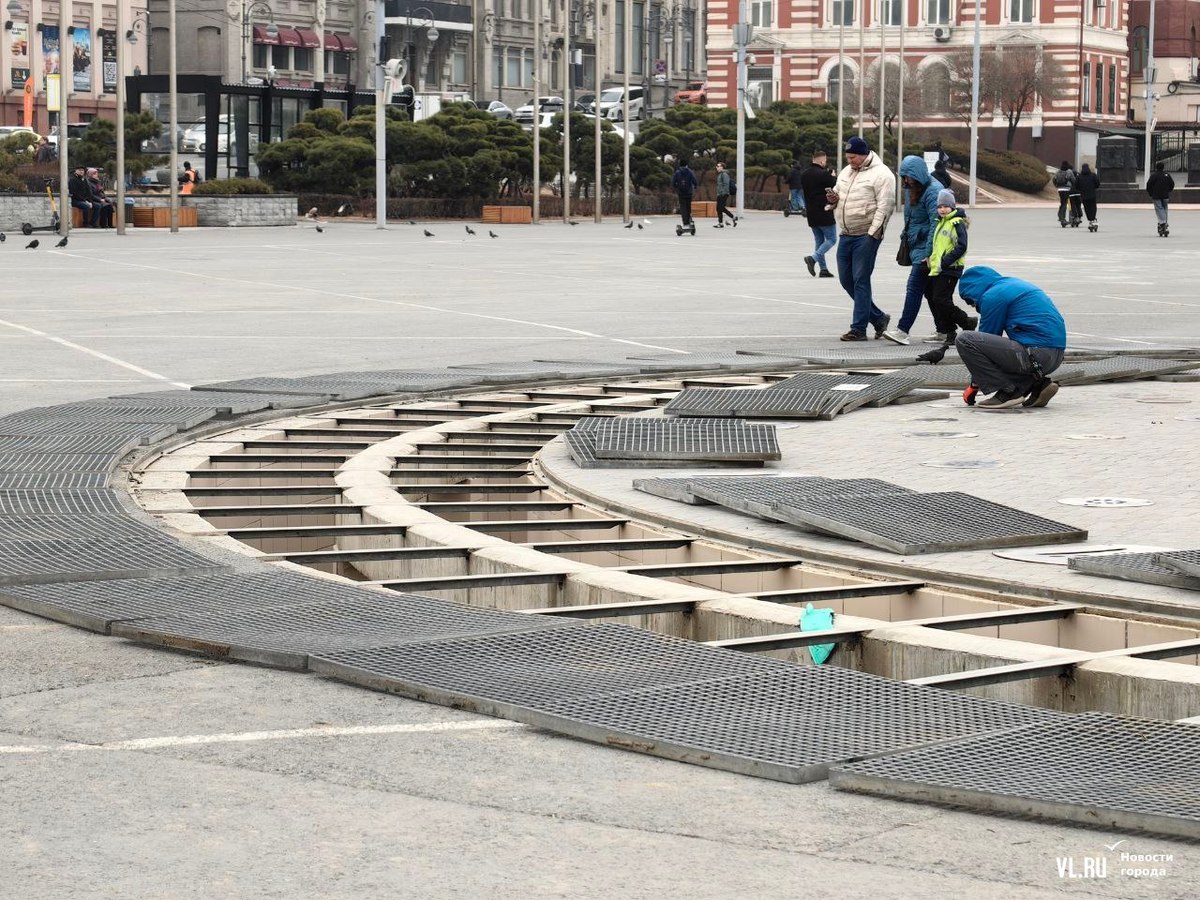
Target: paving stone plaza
(132,772)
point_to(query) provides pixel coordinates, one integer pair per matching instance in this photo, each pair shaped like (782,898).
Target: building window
(937,12)
(527,74)
(839,77)
(639,38)
(1137,49)
(281,58)
(512,74)
(1020,11)
(261,56)
(498,66)
(338,63)
(689,40)
(459,66)
(1085,87)
(302,59)
(842,12)
(1112,89)
(890,12)
(760,13)
(935,89)
(1099,87)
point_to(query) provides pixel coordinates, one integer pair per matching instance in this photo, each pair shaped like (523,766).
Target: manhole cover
(1095,437)
(1162,400)
(1059,554)
(1105,501)
(941,434)
(964,464)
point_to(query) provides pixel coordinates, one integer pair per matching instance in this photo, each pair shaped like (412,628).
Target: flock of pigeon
(35,243)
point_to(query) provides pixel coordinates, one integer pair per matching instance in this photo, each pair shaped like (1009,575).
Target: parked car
(7,131)
(524,114)
(194,136)
(546,119)
(612,103)
(694,92)
(496,108)
(584,103)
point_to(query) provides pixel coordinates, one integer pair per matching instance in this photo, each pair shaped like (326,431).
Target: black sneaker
(812,266)
(882,325)
(825,273)
(970,323)
(1043,392)
(853,335)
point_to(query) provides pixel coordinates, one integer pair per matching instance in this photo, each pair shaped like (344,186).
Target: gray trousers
(997,363)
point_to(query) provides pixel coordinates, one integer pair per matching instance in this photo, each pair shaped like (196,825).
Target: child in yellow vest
(946,262)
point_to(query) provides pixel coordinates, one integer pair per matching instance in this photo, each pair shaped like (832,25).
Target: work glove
(969,395)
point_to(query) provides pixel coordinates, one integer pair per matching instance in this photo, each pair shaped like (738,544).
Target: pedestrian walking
(1088,183)
(1159,186)
(863,199)
(685,183)
(1064,182)
(920,194)
(815,182)
(1015,369)
(941,174)
(796,200)
(724,189)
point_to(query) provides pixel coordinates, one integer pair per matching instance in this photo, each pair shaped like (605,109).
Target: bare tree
(1013,78)
(891,92)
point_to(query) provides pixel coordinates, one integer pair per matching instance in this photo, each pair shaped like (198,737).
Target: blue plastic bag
(817,620)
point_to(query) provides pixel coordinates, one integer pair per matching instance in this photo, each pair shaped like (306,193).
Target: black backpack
(1062,178)
(732,186)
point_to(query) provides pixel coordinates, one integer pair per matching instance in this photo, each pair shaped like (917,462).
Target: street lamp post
(425,15)
(124,36)
(248,10)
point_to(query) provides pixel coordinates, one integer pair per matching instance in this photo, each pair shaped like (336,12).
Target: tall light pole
(380,119)
(66,71)
(172,114)
(900,100)
(862,68)
(975,77)
(597,187)
(627,37)
(566,186)
(841,64)
(1148,79)
(882,72)
(537,112)
(248,10)
(125,36)
(743,31)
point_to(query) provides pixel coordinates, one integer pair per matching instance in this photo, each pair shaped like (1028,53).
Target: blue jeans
(913,294)
(856,261)
(824,237)
(1160,210)
(797,199)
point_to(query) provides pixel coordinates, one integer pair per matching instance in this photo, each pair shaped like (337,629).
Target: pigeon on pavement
(411,222)
(428,233)
(311,214)
(320,230)
(3,237)
(572,222)
(492,234)
(630,225)
(32,245)
(62,243)
(470,230)
(639,226)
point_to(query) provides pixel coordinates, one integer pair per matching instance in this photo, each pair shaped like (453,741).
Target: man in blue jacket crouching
(1015,369)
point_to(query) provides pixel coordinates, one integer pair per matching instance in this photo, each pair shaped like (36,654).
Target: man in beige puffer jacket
(863,201)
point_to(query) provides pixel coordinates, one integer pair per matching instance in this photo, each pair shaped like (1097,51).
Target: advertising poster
(49,52)
(81,59)
(108,51)
(18,46)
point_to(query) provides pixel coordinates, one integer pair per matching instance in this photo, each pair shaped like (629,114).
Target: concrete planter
(216,210)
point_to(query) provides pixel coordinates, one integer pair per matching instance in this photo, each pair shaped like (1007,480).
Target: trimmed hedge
(1006,168)
(226,186)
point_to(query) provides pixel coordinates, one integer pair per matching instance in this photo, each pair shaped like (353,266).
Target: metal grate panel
(1096,370)
(49,526)
(288,635)
(791,725)
(1121,774)
(53,480)
(59,502)
(820,381)
(128,434)
(100,412)
(537,669)
(110,556)
(72,443)
(926,523)
(668,439)
(878,355)
(37,461)
(1185,561)
(1140,567)
(757,403)
(760,495)
(224,401)
(98,604)
(323,389)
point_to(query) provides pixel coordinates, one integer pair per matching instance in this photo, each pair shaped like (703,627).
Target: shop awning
(261,36)
(332,42)
(289,37)
(308,38)
(349,44)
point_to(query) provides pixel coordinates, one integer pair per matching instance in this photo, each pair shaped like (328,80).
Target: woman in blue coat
(920,216)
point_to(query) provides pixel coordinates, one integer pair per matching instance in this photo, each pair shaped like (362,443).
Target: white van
(612,103)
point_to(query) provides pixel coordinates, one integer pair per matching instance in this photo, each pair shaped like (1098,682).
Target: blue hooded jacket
(919,217)
(1014,307)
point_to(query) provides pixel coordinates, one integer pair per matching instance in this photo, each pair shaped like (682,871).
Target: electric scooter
(27,228)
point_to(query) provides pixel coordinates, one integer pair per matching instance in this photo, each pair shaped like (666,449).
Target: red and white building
(794,55)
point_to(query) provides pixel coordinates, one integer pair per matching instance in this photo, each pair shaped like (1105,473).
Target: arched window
(1139,40)
(839,76)
(935,90)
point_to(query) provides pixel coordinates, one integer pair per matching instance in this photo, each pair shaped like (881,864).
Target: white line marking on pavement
(192,740)
(1140,300)
(96,353)
(70,381)
(1109,338)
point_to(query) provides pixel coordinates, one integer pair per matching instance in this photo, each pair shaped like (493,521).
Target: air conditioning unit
(941,33)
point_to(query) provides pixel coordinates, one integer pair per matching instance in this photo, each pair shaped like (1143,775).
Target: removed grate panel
(1140,567)
(789,725)
(228,402)
(1093,371)
(759,496)
(820,381)
(96,605)
(540,668)
(878,355)
(926,523)
(1122,774)
(705,439)
(287,635)
(1185,561)
(758,403)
